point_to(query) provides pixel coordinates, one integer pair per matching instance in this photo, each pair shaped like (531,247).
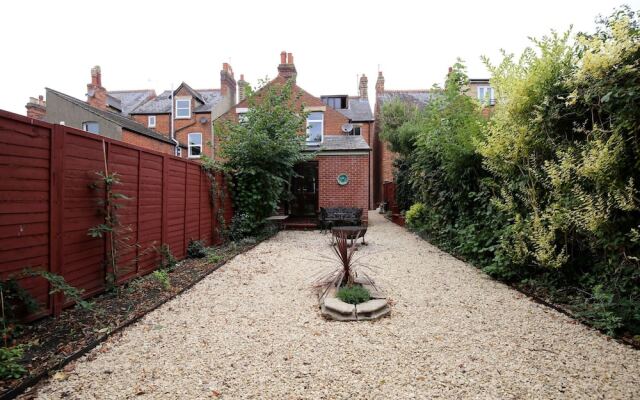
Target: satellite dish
(346,128)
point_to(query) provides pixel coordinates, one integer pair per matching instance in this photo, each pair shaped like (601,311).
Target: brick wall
(137,139)
(353,194)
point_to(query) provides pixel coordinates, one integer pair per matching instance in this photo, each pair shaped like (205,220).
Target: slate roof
(130,99)
(341,143)
(416,97)
(116,118)
(359,110)
(162,103)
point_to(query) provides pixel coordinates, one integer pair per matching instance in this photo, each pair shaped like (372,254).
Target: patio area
(253,330)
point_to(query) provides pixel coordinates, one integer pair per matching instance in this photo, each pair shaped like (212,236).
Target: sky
(143,44)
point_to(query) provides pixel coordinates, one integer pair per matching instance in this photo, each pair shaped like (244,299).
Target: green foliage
(167,259)
(162,276)
(354,294)
(416,216)
(10,367)
(260,153)
(196,249)
(543,193)
(242,225)
(213,257)
(117,235)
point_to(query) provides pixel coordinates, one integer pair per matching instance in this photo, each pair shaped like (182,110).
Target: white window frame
(178,152)
(84,126)
(190,146)
(483,98)
(151,121)
(242,114)
(353,131)
(182,98)
(321,128)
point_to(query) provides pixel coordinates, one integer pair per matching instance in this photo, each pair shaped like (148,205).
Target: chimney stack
(228,83)
(287,69)
(363,88)
(242,88)
(96,94)
(36,108)
(380,83)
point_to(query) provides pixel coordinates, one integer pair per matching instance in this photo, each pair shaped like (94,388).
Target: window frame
(353,131)
(149,119)
(309,142)
(85,126)
(189,146)
(483,98)
(178,151)
(182,98)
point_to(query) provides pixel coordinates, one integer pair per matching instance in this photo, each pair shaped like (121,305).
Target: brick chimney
(287,68)
(36,108)
(363,88)
(227,83)
(380,84)
(96,93)
(242,88)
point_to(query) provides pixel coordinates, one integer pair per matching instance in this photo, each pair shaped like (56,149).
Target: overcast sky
(153,44)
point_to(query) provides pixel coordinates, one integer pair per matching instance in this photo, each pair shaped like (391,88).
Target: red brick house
(174,122)
(339,130)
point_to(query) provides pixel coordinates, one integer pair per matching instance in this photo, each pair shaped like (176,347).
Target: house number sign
(343,179)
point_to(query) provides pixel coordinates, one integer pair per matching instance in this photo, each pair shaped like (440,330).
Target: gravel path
(253,330)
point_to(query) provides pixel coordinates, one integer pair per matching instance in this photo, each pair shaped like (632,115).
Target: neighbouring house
(339,129)
(383,157)
(175,122)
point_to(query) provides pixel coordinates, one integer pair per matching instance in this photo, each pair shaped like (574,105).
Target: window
(485,95)
(151,121)
(315,127)
(195,145)
(178,151)
(335,102)
(356,130)
(183,108)
(242,114)
(91,126)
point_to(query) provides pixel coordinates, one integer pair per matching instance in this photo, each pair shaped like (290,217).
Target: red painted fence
(47,205)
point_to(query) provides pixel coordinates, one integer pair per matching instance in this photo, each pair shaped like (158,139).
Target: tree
(260,152)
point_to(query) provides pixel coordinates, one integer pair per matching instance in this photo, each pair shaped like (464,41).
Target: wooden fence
(47,206)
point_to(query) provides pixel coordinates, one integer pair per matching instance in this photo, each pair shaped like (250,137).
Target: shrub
(162,276)
(415,216)
(196,249)
(354,294)
(10,367)
(167,260)
(242,226)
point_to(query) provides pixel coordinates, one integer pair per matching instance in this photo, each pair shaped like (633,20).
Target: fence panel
(48,204)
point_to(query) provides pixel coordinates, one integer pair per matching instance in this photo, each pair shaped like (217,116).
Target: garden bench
(339,216)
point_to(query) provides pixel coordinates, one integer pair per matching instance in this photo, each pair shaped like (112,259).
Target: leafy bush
(167,259)
(354,294)
(213,258)
(544,193)
(415,216)
(242,226)
(196,249)
(162,276)
(10,367)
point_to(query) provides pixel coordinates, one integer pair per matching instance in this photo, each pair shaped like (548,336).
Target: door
(304,189)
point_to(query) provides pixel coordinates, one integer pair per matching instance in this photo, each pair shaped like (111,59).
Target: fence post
(165,197)
(56,210)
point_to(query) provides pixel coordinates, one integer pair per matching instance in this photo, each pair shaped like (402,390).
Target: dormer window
(183,107)
(315,127)
(336,102)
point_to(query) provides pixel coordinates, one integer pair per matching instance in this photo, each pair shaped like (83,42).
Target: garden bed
(52,342)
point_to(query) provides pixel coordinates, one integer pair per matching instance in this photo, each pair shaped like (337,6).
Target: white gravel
(253,330)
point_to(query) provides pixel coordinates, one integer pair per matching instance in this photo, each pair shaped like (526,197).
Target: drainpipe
(173,137)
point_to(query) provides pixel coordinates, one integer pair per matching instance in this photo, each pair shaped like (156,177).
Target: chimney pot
(283,57)
(290,58)
(380,83)
(96,76)
(363,88)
